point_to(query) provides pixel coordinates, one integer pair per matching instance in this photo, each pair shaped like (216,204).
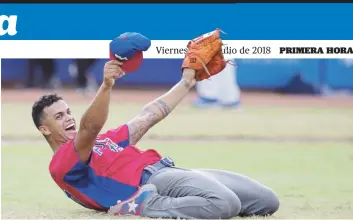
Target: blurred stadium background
(293,131)
(317,75)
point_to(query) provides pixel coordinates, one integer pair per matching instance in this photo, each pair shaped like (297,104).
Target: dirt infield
(145,95)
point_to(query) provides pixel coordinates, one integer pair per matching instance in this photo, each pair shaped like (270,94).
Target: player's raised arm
(96,115)
(203,59)
(158,109)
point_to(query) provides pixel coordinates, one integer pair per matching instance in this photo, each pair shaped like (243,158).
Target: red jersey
(112,173)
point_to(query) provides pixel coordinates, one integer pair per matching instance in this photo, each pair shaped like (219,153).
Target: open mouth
(70,128)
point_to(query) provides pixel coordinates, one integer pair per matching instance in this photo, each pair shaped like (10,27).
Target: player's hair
(39,105)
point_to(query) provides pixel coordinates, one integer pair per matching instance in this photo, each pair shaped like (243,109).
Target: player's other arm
(96,115)
(159,108)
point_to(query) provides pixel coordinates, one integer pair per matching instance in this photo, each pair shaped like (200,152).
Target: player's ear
(45,130)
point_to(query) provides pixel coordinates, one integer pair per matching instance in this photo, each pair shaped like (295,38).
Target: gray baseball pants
(207,194)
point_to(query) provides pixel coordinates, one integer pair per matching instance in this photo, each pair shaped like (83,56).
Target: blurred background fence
(311,76)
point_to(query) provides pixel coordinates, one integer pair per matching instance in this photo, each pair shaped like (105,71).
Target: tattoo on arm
(151,114)
(137,128)
(163,107)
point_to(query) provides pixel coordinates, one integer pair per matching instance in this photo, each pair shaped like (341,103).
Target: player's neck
(54,145)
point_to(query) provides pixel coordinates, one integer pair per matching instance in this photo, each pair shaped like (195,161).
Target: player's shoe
(133,205)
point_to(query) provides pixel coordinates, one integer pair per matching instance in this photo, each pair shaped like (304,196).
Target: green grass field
(312,177)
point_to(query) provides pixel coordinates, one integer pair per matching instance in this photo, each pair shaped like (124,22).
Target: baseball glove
(205,55)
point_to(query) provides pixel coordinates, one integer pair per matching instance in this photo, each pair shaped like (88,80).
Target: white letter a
(12,23)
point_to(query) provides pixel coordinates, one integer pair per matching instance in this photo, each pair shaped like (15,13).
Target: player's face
(58,122)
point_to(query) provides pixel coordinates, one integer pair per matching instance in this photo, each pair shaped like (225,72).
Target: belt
(151,169)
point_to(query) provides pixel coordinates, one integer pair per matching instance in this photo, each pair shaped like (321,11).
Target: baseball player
(107,172)
(221,90)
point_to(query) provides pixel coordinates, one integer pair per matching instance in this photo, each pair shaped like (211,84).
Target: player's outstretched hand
(112,71)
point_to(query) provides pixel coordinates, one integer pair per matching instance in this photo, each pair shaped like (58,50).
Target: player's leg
(189,194)
(82,67)
(220,89)
(228,93)
(255,198)
(80,70)
(48,70)
(31,74)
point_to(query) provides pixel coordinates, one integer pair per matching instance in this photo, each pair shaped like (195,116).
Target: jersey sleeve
(66,164)
(119,135)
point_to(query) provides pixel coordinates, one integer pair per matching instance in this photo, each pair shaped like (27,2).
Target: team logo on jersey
(106,143)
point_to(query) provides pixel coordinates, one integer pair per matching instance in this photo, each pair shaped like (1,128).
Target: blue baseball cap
(128,48)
